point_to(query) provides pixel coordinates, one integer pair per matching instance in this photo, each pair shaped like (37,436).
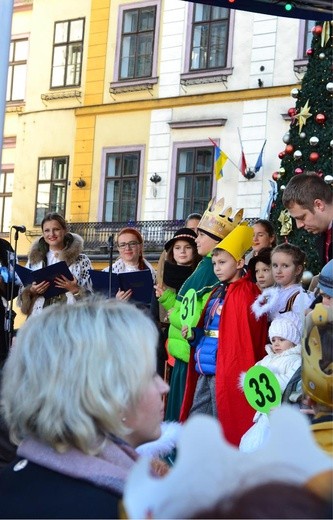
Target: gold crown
(317,366)
(217,221)
(238,241)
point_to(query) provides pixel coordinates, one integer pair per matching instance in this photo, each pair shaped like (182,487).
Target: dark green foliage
(313,89)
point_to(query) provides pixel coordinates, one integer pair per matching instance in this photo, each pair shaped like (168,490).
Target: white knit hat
(287,328)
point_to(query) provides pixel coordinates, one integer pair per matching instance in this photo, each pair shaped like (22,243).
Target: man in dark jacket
(309,200)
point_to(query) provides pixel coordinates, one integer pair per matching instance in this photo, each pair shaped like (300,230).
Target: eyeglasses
(130,244)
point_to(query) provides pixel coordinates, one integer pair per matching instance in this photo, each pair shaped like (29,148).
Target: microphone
(110,241)
(20,229)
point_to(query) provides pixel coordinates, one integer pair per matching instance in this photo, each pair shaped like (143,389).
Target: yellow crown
(217,221)
(238,241)
(317,366)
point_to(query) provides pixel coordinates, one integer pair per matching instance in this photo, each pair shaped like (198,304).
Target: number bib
(262,389)
(188,309)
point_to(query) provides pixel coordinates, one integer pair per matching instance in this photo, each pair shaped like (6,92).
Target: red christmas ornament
(314,156)
(275,176)
(289,148)
(320,119)
(298,171)
(309,52)
(292,112)
(282,154)
(317,30)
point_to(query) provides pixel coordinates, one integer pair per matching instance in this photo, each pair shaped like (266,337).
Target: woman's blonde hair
(75,370)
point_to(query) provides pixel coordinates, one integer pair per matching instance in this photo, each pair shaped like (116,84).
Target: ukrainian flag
(219,161)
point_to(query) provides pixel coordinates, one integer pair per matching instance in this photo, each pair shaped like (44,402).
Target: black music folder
(46,274)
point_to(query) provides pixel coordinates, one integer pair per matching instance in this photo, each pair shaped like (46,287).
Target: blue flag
(258,164)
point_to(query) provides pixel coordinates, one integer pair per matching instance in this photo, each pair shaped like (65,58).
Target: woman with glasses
(130,247)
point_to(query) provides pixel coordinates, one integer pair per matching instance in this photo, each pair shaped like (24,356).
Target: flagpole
(232,162)
(6,14)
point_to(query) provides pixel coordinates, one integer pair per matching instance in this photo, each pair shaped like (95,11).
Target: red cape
(241,344)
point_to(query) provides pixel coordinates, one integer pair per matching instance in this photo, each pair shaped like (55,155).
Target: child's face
(226,268)
(285,272)
(327,300)
(182,252)
(205,244)
(264,275)
(261,238)
(280,344)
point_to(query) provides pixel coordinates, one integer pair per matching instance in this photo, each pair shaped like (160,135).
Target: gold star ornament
(303,115)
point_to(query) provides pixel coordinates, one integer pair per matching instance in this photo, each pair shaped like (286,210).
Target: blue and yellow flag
(219,161)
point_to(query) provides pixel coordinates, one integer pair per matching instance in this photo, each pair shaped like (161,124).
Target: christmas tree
(309,139)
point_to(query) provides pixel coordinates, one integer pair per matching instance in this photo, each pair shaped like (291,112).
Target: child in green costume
(215,225)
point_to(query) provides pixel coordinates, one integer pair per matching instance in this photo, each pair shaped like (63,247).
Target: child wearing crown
(214,225)
(228,340)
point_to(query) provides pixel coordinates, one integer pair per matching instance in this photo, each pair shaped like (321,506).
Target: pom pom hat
(238,241)
(216,222)
(325,282)
(285,328)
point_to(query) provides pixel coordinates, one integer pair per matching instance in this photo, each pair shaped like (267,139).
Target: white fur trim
(265,302)
(166,442)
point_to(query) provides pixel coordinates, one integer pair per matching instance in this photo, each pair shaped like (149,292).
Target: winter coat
(177,345)
(241,344)
(77,262)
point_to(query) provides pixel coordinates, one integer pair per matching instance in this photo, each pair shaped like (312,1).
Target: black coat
(38,492)
(321,245)
(5,292)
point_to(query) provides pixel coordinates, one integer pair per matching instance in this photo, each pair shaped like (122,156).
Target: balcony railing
(155,233)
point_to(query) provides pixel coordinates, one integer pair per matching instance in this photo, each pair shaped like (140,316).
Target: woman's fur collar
(69,254)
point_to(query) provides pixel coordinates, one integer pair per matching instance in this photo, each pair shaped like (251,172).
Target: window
(209,37)
(307,36)
(17,71)
(137,43)
(121,186)
(51,187)
(67,53)
(6,192)
(304,43)
(194,178)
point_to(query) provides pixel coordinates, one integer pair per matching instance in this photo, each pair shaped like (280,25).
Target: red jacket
(241,344)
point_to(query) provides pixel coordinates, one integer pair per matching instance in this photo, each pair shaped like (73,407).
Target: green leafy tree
(309,139)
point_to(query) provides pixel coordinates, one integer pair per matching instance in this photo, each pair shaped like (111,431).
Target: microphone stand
(110,263)
(10,314)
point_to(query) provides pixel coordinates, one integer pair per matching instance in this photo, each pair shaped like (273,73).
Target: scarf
(175,275)
(108,470)
(202,280)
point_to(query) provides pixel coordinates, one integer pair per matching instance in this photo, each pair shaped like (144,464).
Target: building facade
(105,95)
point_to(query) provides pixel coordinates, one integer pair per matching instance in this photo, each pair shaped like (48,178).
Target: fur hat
(182,234)
(286,328)
(325,281)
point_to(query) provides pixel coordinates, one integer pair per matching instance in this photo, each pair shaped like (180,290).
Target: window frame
(177,148)
(118,82)
(67,44)
(5,170)
(11,66)
(208,74)
(51,182)
(301,62)
(121,150)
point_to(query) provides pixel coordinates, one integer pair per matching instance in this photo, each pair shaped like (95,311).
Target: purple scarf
(108,469)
